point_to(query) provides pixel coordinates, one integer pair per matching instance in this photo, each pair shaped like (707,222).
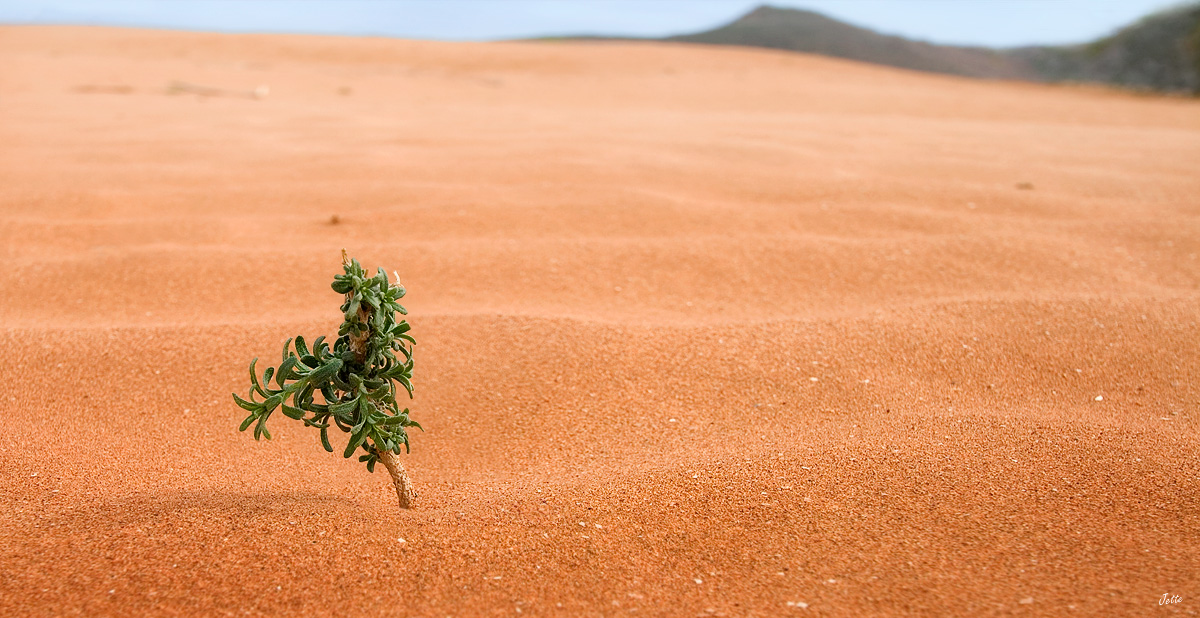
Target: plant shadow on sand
(164,547)
(195,522)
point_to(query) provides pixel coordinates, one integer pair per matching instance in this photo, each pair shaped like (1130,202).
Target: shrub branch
(351,386)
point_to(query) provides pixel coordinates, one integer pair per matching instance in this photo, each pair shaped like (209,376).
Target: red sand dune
(701,332)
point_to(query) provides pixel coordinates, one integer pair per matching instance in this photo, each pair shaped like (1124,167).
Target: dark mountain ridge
(811,32)
(1159,52)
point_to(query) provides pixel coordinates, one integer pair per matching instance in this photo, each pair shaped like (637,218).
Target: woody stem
(404,490)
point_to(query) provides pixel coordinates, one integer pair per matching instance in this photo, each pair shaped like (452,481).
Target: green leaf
(325,438)
(254,378)
(291,412)
(326,370)
(356,440)
(303,398)
(249,406)
(246,423)
(284,369)
(364,413)
(271,403)
(301,348)
(343,408)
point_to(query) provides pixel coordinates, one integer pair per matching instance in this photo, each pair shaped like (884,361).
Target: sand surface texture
(700,332)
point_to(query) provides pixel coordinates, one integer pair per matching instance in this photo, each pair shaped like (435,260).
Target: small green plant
(352,386)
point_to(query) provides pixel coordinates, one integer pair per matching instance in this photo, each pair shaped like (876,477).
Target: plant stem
(358,342)
(404,489)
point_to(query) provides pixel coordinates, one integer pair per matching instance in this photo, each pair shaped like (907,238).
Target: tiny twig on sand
(176,87)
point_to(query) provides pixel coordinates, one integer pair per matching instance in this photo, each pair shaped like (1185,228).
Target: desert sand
(701,331)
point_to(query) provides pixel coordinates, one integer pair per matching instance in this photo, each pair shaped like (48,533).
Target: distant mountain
(1160,52)
(806,31)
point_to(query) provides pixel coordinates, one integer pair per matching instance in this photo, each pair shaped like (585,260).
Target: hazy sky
(974,22)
